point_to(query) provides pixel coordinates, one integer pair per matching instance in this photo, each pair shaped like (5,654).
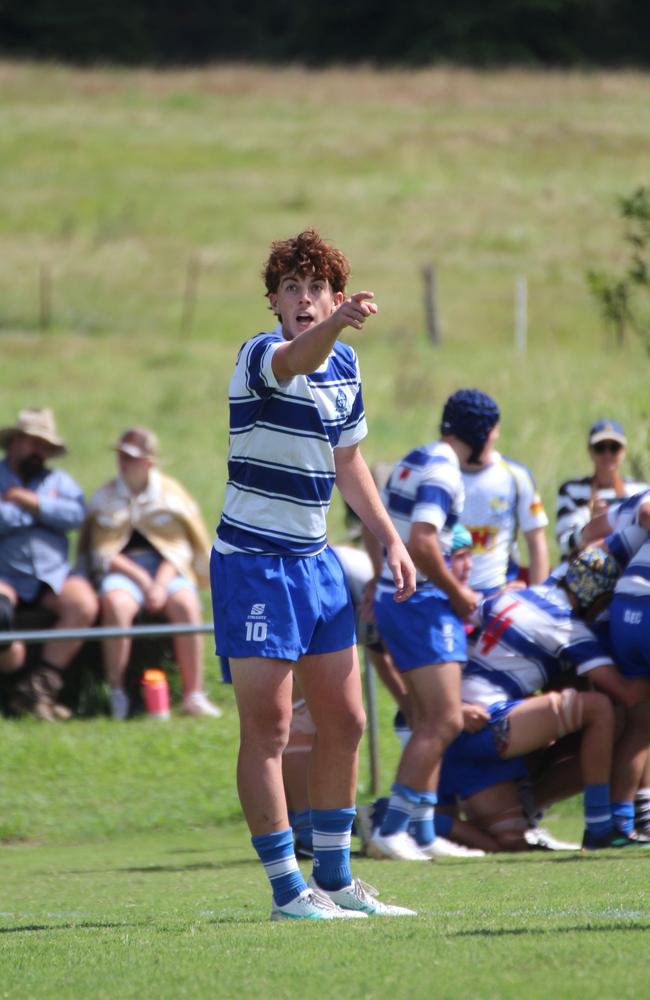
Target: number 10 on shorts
(255,631)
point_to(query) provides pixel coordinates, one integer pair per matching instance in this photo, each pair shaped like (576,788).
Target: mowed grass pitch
(121,870)
(186,915)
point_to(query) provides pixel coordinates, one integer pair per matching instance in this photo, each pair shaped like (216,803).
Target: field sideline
(125,868)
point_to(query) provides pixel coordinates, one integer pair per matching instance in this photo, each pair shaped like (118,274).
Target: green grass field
(126,869)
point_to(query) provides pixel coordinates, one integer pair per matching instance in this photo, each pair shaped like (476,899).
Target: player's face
(302,301)
(461,564)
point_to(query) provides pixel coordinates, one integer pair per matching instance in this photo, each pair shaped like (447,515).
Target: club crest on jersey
(341,402)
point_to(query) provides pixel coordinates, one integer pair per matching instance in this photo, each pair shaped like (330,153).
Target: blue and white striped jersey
(426,485)
(629,543)
(528,637)
(281,459)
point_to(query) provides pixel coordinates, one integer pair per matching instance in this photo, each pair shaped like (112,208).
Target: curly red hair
(306,253)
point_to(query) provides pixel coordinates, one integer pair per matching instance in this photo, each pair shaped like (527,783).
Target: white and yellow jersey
(500,500)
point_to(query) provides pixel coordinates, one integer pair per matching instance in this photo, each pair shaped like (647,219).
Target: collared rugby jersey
(528,637)
(499,500)
(281,458)
(425,486)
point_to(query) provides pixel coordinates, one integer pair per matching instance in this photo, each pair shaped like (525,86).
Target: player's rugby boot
(396,846)
(313,904)
(613,839)
(359,897)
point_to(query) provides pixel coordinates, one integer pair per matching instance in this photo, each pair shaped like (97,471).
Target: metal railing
(95,634)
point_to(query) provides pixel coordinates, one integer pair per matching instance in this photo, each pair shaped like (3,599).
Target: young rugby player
(426,636)
(280,599)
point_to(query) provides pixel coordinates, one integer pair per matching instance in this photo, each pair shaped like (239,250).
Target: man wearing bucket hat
(39,506)
(148,547)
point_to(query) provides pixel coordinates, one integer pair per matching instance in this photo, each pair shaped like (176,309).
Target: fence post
(370,684)
(431,304)
(521,313)
(190,295)
(44,297)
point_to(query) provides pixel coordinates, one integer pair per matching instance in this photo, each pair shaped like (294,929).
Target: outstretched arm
(307,352)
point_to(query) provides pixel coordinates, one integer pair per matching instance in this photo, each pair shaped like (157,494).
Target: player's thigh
(537,722)
(434,691)
(263,692)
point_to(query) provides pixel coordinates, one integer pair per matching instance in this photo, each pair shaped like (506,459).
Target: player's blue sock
(400,807)
(442,824)
(598,815)
(623,813)
(332,834)
(276,853)
(421,826)
(302,828)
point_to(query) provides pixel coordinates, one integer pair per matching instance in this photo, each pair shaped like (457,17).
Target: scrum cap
(470,415)
(591,574)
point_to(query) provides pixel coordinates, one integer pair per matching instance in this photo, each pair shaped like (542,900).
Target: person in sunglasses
(579,500)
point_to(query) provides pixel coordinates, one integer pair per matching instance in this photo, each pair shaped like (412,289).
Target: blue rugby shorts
(281,607)
(422,630)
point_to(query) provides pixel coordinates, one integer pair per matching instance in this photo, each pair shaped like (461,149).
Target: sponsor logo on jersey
(484,537)
(404,473)
(536,507)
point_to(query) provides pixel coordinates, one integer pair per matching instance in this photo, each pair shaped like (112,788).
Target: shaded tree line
(413,32)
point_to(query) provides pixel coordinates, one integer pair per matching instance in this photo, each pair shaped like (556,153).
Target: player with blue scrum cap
(426,638)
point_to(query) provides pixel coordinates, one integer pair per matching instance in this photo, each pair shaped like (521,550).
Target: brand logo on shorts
(256,611)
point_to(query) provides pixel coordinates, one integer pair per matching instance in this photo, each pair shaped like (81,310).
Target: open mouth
(304,319)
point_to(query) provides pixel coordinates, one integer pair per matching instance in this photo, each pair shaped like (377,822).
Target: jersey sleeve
(255,363)
(530,509)
(439,495)
(355,427)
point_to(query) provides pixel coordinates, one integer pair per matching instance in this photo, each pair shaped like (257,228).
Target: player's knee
(569,708)
(266,737)
(450,727)
(597,709)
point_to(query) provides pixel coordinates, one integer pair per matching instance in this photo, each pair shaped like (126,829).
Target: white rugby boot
(443,848)
(359,897)
(313,904)
(396,846)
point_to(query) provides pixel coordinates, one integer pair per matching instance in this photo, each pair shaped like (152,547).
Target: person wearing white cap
(579,500)
(38,508)
(148,547)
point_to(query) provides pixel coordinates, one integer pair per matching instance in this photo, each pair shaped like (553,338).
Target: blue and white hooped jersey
(500,500)
(629,543)
(281,468)
(426,485)
(528,637)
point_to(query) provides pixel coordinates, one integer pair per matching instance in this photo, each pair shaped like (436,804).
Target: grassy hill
(115,181)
